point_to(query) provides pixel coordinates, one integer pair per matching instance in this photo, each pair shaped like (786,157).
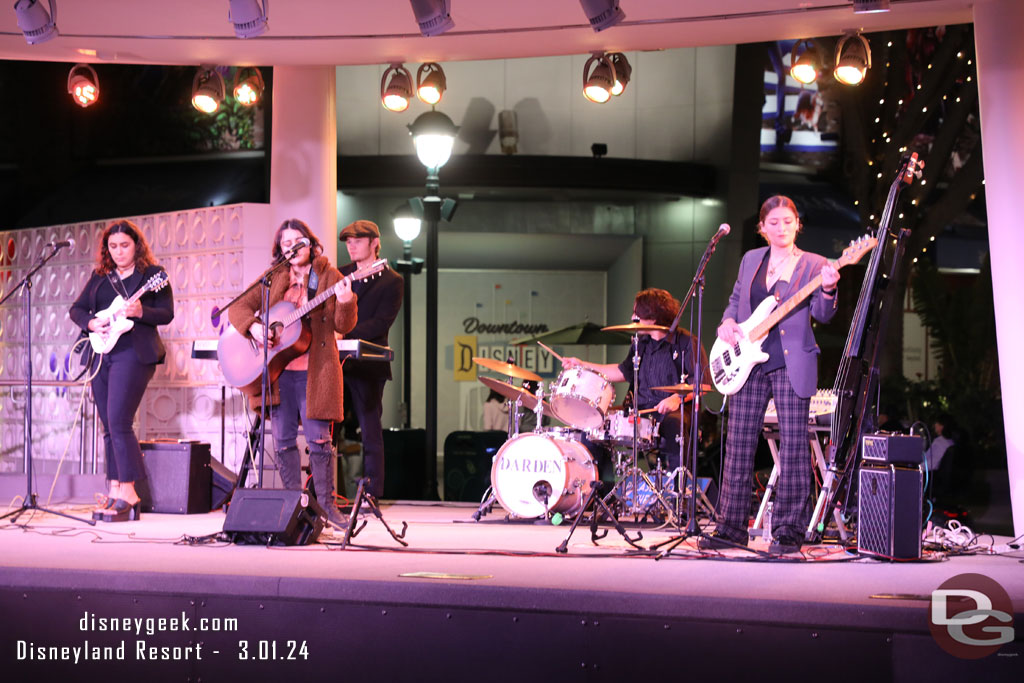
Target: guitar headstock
(157,282)
(913,170)
(371,270)
(857,249)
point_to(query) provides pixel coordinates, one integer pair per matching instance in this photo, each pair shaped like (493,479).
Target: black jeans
(118,389)
(366,394)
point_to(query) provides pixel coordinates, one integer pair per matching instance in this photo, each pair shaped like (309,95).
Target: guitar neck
(308,306)
(783,310)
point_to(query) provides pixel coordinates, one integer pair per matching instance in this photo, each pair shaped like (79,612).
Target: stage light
(870,6)
(248,88)
(598,83)
(433,134)
(433,16)
(249,17)
(207,90)
(83,85)
(602,14)
(395,97)
(623,71)
(853,59)
(35,22)
(804,68)
(430,83)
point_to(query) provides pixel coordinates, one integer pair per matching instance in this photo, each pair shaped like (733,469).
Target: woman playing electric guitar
(789,375)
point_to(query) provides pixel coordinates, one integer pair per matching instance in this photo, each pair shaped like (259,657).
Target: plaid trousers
(792,509)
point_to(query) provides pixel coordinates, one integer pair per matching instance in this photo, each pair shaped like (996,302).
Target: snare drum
(618,430)
(530,467)
(581,397)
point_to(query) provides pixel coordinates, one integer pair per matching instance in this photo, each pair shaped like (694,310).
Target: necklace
(773,267)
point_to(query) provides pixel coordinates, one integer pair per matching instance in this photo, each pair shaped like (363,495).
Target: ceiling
(303,32)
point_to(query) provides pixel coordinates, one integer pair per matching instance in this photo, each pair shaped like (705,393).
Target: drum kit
(551,471)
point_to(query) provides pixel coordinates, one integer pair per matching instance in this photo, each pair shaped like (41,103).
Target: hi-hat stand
(29,502)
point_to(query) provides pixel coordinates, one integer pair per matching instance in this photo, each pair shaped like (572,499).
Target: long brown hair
(315,248)
(143,254)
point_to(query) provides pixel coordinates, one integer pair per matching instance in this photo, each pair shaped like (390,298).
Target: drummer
(664,357)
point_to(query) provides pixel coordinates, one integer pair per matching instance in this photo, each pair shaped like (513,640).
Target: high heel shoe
(97,512)
(123,511)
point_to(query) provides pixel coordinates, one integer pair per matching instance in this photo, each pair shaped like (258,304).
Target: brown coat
(324,388)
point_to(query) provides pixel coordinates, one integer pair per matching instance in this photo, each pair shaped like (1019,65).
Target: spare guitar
(731,363)
(241,358)
(103,342)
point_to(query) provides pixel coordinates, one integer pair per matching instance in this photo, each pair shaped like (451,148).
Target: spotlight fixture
(870,6)
(804,68)
(249,17)
(602,14)
(35,22)
(853,59)
(598,83)
(622,72)
(248,88)
(433,16)
(395,97)
(207,90)
(430,83)
(433,134)
(83,85)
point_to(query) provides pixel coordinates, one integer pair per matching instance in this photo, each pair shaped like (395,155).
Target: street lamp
(407,227)
(433,134)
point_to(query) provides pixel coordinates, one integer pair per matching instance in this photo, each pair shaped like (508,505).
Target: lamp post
(433,134)
(407,227)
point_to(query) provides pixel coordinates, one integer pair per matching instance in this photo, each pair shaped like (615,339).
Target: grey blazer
(798,345)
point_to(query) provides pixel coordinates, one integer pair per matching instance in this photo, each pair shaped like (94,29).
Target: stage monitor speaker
(221,485)
(273,517)
(890,505)
(178,477)
(467,463)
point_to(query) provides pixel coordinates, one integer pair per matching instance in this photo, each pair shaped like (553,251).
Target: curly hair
(657,305)
(315,247)
(143,254)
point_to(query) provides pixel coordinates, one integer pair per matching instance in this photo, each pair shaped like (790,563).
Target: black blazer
(378,300)
(157,309)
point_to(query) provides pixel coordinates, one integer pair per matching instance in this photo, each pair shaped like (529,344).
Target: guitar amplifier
(178,477)
(890,502)
(881,448)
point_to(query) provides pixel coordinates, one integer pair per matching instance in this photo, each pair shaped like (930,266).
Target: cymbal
(506,368)
(682,389)
(512,392)
(635,328)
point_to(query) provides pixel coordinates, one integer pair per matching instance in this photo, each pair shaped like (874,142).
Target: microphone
(69,243)
(299,244)
(723,230)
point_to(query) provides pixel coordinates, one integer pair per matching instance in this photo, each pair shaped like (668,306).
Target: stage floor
(494,570)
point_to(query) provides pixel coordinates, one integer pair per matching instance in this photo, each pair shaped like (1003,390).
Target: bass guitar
(731,363)
(104,342)
(241,358)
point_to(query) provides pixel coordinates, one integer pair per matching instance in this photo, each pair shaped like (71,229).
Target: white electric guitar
(103,342)
(731,363)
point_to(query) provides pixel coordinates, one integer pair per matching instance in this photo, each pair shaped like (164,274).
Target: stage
(466,600)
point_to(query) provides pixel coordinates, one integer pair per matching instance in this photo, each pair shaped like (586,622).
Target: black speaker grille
(875,528)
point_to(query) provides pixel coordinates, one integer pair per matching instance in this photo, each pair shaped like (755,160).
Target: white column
(304,151)
(997,35)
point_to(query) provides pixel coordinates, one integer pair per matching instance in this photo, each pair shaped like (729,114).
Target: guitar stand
(599,507)
(364,497)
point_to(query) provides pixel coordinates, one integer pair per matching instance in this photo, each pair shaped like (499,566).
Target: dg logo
(971,616)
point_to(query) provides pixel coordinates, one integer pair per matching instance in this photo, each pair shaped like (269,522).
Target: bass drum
(534,468)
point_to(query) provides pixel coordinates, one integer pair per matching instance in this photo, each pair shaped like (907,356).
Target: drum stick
(551,351)
(647,410)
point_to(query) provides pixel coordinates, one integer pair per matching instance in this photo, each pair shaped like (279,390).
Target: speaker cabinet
(890,504)
(273,517)
(467,463)
(178,477)
(222,484)
(405,465)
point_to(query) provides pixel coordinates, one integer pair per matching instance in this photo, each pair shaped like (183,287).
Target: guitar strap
(314,284)
(118,285)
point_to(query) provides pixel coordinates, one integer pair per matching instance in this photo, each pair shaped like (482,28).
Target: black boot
(288,462)
(322,465)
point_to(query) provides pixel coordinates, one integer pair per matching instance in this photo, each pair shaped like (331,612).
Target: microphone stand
(263,280)
(29,501)
(696,347)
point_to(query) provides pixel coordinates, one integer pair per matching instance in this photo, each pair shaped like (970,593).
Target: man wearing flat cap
(378,300)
